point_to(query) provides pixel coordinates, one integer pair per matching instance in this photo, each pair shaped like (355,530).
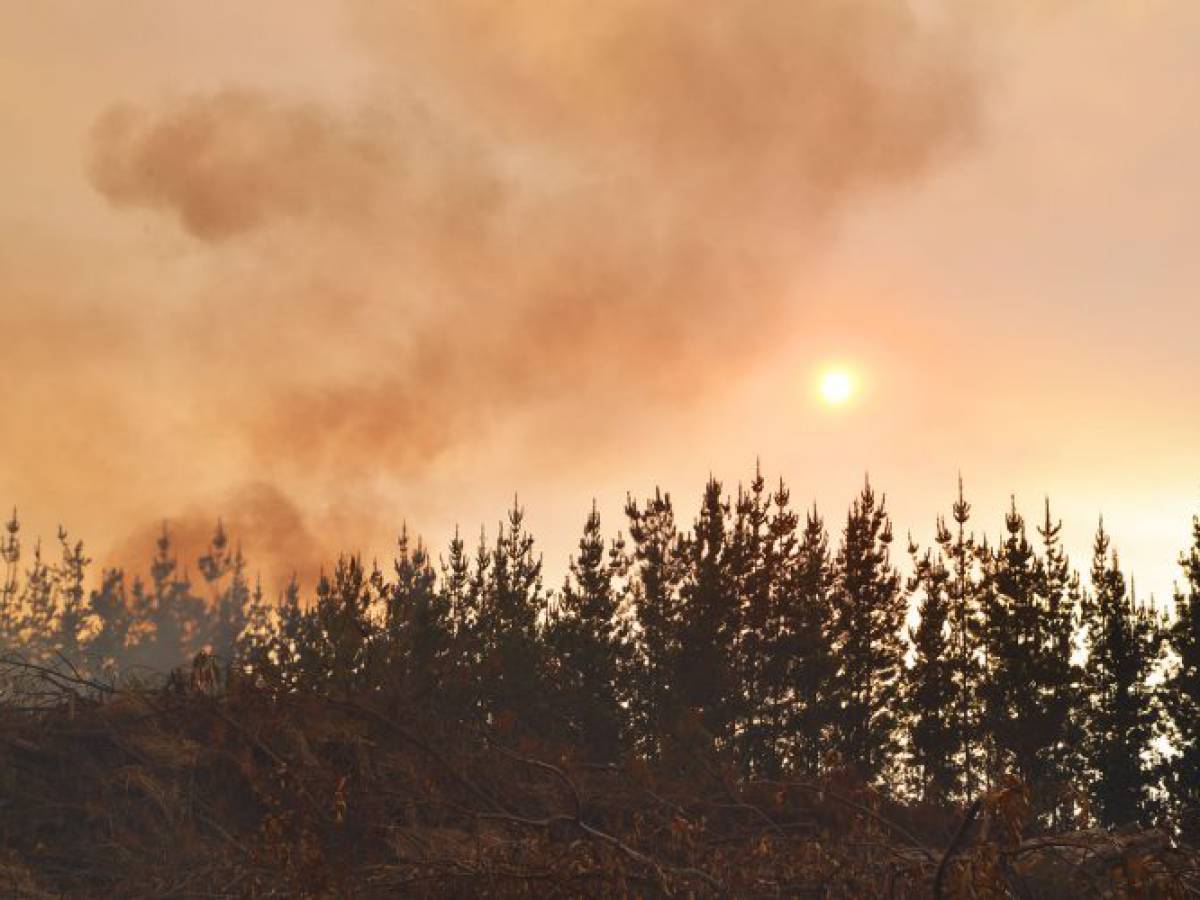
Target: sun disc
(836,387)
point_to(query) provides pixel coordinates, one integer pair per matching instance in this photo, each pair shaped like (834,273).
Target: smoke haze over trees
(773,640)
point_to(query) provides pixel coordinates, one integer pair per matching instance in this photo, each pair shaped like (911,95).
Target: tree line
(757,633)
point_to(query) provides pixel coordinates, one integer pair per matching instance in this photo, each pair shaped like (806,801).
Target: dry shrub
(261,794)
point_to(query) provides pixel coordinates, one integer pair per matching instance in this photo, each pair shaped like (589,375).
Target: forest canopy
(760,638)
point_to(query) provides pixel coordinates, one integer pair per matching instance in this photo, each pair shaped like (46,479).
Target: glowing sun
(837,386)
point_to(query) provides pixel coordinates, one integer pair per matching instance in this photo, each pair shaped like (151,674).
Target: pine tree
(417,626)
(805,651)
(870,609)
(461,592)
(36,602)
(73,614)
(930,695)
(1057,676)
(1011,695)
(760,544)
(290,657)
(111,606)
(1181,696)
(1120,716)
(708,628)
(655,577)
(174,615)
(968,665)
(587,643)
(227,616)
(339,637)
(10,552)
(943,690)
(513,664)
(252,652)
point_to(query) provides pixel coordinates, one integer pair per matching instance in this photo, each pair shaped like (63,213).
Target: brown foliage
(254,793)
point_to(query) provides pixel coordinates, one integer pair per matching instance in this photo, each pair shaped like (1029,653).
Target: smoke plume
(538,218)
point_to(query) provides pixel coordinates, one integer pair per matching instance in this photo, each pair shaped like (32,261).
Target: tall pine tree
(1119,716)
(1058,676)
(708,629)
(805,653)
(513,682)
(754,572)
(1011,695)
(417,627)
(588,641)
(656,572)
(930,695)
(1181,696)
(870,607)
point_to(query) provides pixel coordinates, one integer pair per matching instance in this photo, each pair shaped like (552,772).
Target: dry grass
(172,793)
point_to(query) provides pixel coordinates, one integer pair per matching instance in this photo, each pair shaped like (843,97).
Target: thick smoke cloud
(280,542)
(537,216)
(230,163)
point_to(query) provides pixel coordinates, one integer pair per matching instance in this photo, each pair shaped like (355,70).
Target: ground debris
(140,793)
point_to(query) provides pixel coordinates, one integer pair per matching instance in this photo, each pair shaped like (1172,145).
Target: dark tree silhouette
(336,646)
(968,667)
(755,571)
(231,604)
(1119,715)
(930,695)
(418,632)
(588,643)
(1056,731)
(1181,695)
(513,665)
(1011,694)
(870,606)
(73,615)
(806,654)
(709,624)
(110,605)
(172,616)
(10,552)
(655,576)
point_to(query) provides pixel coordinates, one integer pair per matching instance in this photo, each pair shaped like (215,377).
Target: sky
(325,269)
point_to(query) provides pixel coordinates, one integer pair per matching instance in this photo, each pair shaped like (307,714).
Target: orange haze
(322,268)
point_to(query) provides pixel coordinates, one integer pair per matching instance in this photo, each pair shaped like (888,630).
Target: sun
(837,387)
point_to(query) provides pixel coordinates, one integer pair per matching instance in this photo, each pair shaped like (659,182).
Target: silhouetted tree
(1057,730)
(870,607)
(806,649)
(230,608)
(461,592)
(73,614)
(656,573)
(335,644)
(417,626)
(513,661)
(588,642)
(1011,694)
(289,655)
(171,615)
(10,552)
(709,622)
(1181,695)
(37,603)
(961,552)
(1119,716)
(930,695)
(754,573)
(114,620)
